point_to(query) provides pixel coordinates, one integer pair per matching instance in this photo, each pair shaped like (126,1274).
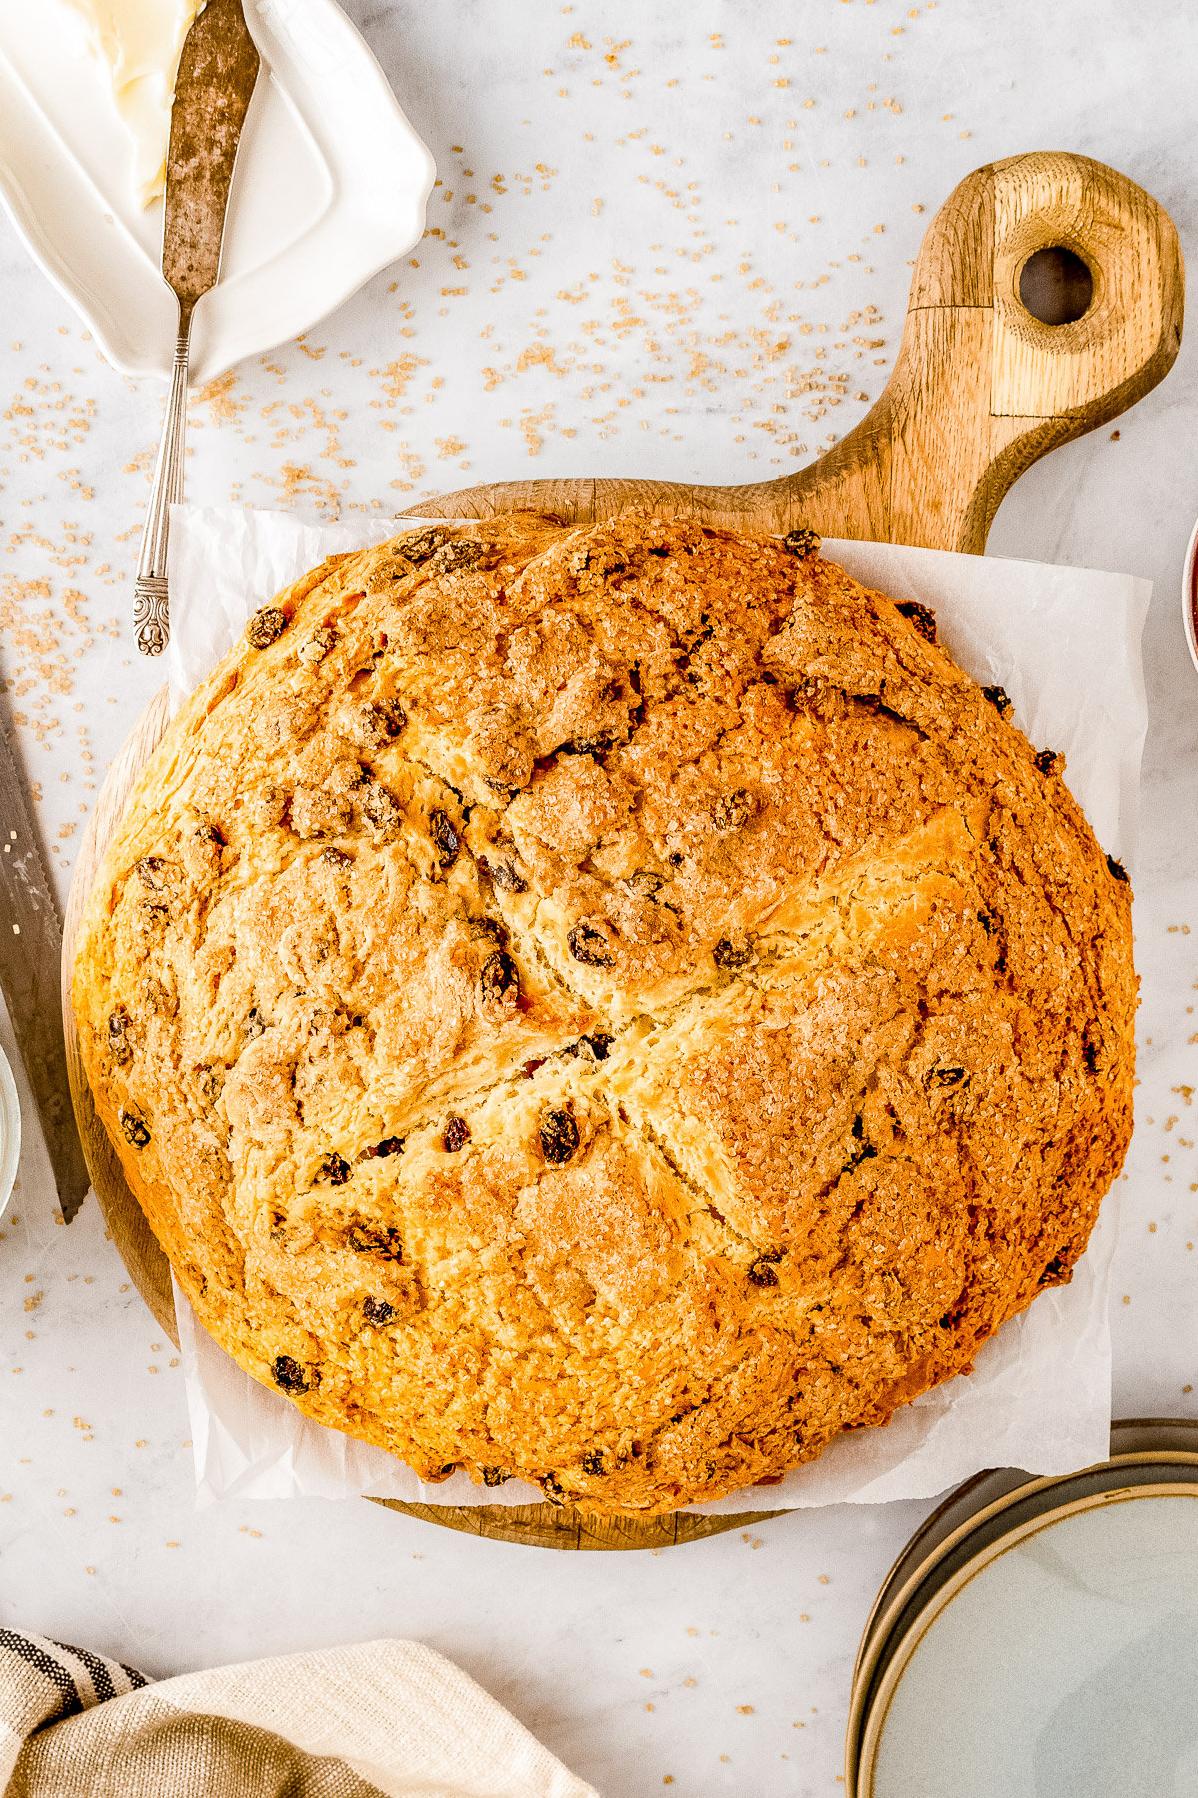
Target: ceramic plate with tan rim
(1135,1442)
(1062,1659)
(980,1513)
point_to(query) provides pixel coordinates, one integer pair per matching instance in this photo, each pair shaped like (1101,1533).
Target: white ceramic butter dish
(331,186)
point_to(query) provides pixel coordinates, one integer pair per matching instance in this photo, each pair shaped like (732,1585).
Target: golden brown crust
(615,1006)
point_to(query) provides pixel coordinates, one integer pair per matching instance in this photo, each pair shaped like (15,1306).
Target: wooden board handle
(981,387)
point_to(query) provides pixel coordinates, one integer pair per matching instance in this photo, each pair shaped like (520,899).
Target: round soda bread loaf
(615,1006)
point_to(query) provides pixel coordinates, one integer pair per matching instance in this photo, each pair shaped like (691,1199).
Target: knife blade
(30,958)
(217,72)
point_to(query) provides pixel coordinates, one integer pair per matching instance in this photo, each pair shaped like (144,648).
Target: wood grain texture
(979,391)
(548,1526)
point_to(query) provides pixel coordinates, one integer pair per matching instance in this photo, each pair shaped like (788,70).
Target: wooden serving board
(981,389)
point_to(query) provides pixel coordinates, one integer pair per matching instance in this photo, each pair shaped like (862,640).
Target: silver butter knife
(30,955)
(217,72)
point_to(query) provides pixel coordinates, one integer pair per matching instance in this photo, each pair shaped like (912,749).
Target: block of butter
(140,42)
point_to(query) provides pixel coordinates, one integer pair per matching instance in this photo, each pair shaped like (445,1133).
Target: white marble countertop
(667,239)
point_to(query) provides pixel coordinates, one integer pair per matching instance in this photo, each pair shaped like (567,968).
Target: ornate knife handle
(151,600)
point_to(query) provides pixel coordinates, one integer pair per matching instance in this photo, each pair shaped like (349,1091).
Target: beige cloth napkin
(391,1718)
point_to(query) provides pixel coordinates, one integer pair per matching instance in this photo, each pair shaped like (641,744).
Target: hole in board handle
(1056,286)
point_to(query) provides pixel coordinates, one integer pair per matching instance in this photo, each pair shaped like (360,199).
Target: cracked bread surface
(615,1006)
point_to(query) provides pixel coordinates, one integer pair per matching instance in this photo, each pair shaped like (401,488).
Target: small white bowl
(10,1132)
(1189,595)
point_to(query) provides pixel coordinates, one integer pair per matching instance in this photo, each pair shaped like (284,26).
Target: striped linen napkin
(390,1718)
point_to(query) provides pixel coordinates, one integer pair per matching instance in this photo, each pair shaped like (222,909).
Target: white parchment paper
(1065,643)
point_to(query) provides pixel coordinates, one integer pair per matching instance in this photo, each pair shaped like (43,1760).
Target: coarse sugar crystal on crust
(611,1005)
